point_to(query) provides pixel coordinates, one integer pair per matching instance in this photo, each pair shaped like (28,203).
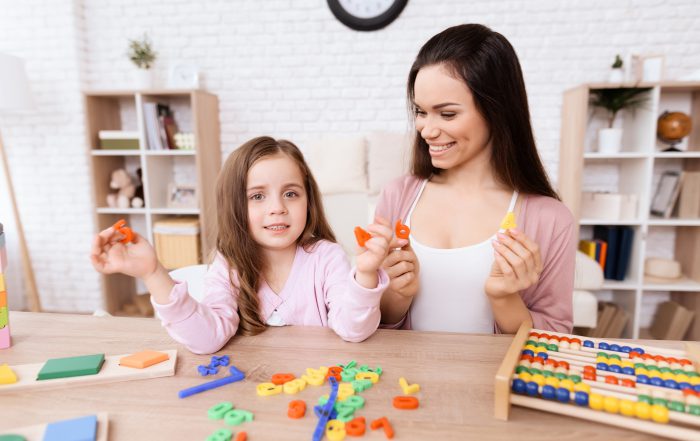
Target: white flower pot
(609,140)
(143,79)
(616,76)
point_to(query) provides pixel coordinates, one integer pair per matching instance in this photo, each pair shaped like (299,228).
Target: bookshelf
(194,111)
(636,170)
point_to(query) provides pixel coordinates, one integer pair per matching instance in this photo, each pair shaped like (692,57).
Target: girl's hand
(401,265)
(517,265)
(370,257)
(110,256)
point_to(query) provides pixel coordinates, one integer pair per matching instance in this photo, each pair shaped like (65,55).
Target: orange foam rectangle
(143,359)
(3,299)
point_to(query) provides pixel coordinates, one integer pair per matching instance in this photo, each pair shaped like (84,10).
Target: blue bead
(531,389)
(615,347)
(696,388)
(588,344)
(671,384)
(638,350)
(601,366)
(528,352)
(581,398)
(615,369)
(643,379)
(543,355)
(518,386)
(563,395)
(603,345)
(548,392)
(684,385)
(628,370)
(626,349)
(656,381)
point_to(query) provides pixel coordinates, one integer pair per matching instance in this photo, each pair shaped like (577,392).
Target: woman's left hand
(517,264)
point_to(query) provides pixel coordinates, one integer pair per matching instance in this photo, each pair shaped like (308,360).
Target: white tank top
(451,295)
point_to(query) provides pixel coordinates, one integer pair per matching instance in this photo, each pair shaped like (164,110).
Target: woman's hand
(517,265)
(401,265)
(370,257)
(109,255)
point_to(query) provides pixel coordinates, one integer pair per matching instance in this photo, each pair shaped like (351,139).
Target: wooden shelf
(195,111)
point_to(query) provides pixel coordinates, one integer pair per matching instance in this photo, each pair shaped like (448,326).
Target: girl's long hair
(486,62)
(234,241)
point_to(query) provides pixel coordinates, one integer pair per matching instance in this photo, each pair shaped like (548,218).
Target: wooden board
(111,372)
(36,432)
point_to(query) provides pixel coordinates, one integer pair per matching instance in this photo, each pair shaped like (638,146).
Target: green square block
(71,366)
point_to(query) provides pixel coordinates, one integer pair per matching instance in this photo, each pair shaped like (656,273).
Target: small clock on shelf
(183,76)
(362,15)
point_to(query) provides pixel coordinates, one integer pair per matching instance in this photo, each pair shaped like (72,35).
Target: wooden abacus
(638,387)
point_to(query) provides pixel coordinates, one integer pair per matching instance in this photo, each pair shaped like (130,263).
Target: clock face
(184,76)
(366,15)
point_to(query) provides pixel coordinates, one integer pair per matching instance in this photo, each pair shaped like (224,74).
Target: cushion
(337,162)
(389,156)
(588,273)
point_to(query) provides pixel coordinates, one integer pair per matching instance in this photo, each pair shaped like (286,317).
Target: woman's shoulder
(548,212)
(402,184)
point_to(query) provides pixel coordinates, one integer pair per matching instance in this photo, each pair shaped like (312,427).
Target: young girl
(474,160)
(276,264)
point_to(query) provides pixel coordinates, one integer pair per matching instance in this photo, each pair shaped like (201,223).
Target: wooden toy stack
(4,315)
(650,389)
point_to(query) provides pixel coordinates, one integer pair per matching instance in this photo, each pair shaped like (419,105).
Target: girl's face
(277,202)
(447,118)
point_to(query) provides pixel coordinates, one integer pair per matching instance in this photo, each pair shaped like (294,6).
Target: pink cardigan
(543,219)
(320,291)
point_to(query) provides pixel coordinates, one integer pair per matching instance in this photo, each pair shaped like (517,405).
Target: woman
(474,160)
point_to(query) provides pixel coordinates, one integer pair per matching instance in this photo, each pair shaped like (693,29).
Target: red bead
(672,360)
(647,356)
(635,354)
(684,361)
(626,382)
(551,362)
(527,357)
(540,360)
(565,339)
(589,368)
(564,364)
(534,334)
(576,340)
(589,376)
(610,379)
(658,358)
(554,337)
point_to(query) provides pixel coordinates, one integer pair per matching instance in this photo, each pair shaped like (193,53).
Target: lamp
(15,96)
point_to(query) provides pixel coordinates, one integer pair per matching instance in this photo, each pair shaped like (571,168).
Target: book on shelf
(671,321)
(689,199)
(160,126)
(616,247)
(595,249)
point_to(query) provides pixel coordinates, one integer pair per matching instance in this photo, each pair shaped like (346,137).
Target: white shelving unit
(635,170)
(195,111)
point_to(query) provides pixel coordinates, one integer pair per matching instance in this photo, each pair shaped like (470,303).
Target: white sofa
(352,170)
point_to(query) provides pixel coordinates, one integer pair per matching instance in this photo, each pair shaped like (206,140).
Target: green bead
(560,375)
(541,345)
(520,369)
(694,409)
(640,366)
(602,354)
(552,347)
(644,399)
(663,370)
(535,371)
(547,373)
(575,378)
(531,342)
(691,374)
(651,367)
(678,371)
(676,406)
(615,357)
(661,401)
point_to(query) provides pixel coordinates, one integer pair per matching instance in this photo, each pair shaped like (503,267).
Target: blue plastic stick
(236,375)
(327,409)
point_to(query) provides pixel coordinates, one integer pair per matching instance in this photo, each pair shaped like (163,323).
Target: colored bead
(665,370)
(588,343)
(602,354)
(627,408)
(563,395)
(575,378)
(615,369)
(552,347)
(528,352)
(659,414)
(551,381)
(547,373)
(567,384)
(694,409)
(626,349)
(628,371)
(603,345)
(643,379)
(651,367)
(564,344)
(548,392)
(615,357)
(671,384)
(535,371)
(601,366)
(543,355)
(564,365)
(551,363)
(659,402)
(539,379)
(638,350)
(685,386)
(532,389)
(561,375)
(581,398)
(615,347)
(676,406)
(595,401)
(518,386)
(589,368)
(644,399)
(537,364)
(610,379)
(582,387)
(656,381)
(589,376)
(640,366)
(626,382)
(520,369)
(642,410)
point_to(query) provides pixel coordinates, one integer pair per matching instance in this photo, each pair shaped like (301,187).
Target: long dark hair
(489,67)
(234,241)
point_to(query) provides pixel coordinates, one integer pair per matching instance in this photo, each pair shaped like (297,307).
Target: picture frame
(183,76)
(182,196)
(647,68)
(666,194)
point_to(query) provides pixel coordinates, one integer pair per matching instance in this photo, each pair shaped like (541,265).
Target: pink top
(320,291)
(544,220)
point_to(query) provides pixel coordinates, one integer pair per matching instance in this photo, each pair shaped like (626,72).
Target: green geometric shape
(3,316)
(12,438)
(71,366)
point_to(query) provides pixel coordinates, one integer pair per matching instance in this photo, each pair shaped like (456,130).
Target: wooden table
(455,372)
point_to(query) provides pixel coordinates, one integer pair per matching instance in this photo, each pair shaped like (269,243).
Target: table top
(455,372)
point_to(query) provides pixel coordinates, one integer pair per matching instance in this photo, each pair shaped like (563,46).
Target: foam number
(362,236)
(3,317)
(315,377)
(408,389)
(356,427)
(371,376)
(220,435)
(335,430)
(361,385)
(295,386)
(218,411)
(121,227)
(508,222)
(237,416)
(282,378)
(344,391)
(267,389)
(402,231)
(297,409)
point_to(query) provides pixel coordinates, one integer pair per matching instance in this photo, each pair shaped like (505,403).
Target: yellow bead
(533,348)
(595,401)
(641,371)
(611,404)
(659,413)
(694,381)
(525,376)
(582,387)
(552,381)
(642,410)
(567,384)
(667,375)
(537,378)
(627,363)
(682,378)
(600,359)
(627,408)
(614,362)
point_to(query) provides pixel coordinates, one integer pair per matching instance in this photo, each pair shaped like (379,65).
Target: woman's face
(447,119)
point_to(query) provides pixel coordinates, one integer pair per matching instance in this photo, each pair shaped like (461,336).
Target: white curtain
(14,280)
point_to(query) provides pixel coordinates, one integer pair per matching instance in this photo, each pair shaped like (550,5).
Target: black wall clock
(366,15)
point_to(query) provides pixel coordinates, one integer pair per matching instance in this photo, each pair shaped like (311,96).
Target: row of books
(671,321)
(160,126)
(611,323)
(611,247)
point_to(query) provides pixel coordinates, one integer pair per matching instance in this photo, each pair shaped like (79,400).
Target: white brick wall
(280,67)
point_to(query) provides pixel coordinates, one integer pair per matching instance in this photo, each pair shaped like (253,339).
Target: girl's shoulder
(323,248)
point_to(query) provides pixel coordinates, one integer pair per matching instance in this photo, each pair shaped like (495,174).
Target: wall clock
(366,15)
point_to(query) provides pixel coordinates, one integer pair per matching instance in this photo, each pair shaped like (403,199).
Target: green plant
(615,99)
(141,53)
(617,64)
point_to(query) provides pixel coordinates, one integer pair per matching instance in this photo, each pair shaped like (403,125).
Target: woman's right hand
(401,265)
(109,255)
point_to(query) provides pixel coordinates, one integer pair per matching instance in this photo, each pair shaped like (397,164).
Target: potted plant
(613,100)
(141,53)
(617,73)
